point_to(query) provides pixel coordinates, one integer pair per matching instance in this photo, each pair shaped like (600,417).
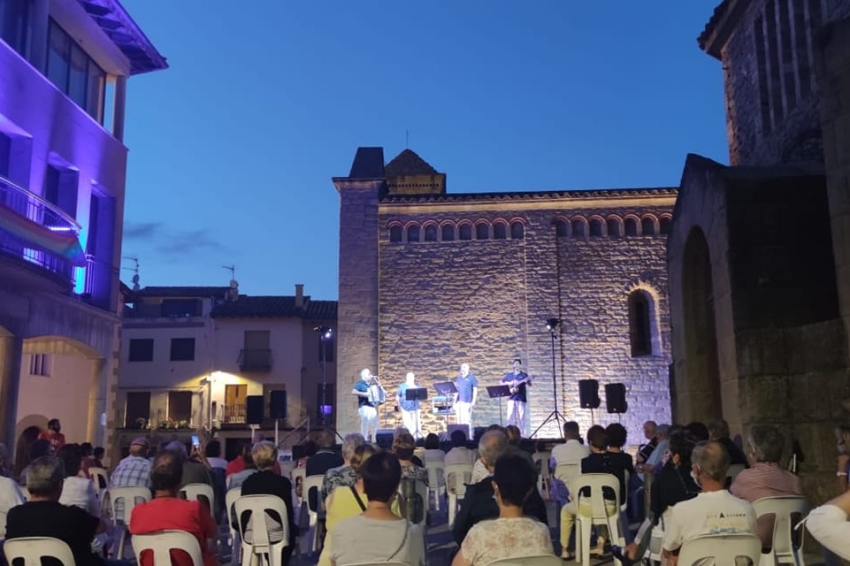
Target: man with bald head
(714,510)
(478,503)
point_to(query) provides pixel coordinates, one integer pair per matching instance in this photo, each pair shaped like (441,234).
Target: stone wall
(770,87)
(486,302)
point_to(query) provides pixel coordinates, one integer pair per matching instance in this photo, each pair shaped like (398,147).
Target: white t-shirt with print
(711,513)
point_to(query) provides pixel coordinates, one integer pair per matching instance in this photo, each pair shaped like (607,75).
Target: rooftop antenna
(135,270)
(233,292)
(231,269)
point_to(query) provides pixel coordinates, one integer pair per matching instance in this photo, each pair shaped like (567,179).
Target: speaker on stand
(615,399)
(588,392)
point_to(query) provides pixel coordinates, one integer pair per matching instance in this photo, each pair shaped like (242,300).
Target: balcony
(36,232)
(234,414)
(255,360)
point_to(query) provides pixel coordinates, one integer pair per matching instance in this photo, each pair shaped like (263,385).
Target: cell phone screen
(195,442)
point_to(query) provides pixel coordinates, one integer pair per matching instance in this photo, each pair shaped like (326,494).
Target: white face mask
(694,477)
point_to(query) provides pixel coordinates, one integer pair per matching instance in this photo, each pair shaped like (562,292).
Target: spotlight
(552,324)
(325,332)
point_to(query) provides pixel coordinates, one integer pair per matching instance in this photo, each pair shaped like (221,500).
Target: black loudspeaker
(615,398)
(254,409)
(384,439)
(477,433)
(277,404)
(588,392)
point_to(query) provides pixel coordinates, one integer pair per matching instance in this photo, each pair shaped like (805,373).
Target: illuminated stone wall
(485,302)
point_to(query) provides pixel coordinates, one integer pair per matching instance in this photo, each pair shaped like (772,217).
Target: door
(234,403)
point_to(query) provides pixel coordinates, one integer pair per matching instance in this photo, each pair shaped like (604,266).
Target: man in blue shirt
(467,393)
(368,410)
(517,380)
(409,409)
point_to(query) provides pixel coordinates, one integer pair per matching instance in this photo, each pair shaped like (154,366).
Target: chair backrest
(100,479)
(724,549)
(436,473)
(734,470)
(415,500)
(230,502)
(596,483)
(541,462)
(129,496)
(199,492)
(32,549)
(457,478)
(536,560)
(782,508)
(255,507)
(313,482)
(162,543)
(567,473)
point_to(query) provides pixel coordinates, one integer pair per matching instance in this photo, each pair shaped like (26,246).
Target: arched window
(500,231)
(413,233)
(666,221)
(613,228)
(482,231)
(395,233)
(641,327)
(647,227)
(578,228)
(464,231)
(448,232)
(562,229)
(631,226)
(430,232)
(517,230)
(595,227)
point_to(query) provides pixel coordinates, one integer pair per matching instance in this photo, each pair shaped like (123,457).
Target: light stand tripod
(325,410)
(552,325)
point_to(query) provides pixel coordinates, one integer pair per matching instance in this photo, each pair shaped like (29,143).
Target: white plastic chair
(230,511)
(199,492)
(436,480)
(537,560)
(32,549)
(541,459)
(162,543)
(566,473)
(598,513)
(782,549)
(130,497)
(294,476)
(310,483)
(262,552)
(724,549)
(457,478)
(100,479)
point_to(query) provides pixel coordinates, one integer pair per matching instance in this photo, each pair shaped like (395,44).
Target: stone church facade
(430,279)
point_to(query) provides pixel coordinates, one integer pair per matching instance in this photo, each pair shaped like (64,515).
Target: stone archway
(701,382)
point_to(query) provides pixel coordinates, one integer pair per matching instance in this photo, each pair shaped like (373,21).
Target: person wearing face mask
(713,511)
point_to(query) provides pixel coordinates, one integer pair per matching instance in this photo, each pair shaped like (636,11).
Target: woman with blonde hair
(348,501)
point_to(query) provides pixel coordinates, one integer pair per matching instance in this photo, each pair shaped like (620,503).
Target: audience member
(460,453)
(325,458)
(44,516)
(343,475)
(98,454)
(512,534)
(10,496)
(266,482)
(77,489)
(650,433)
(53,434)
(237,479)
(828,525)
(698,430)
(403,447)
(842,435)
(39,449)
(378,535)
(478,504)
(718,430)
(167,512)
(212,451)
(132,471)
(87,451)
(572,451)
(514,435)
(766,477)
(713,510)
(654,461)
(433,453)
(194,468)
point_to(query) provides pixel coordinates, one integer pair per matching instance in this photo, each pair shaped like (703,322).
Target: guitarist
(518,381)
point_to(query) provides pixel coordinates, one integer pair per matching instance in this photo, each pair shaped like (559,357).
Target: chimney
(299,295)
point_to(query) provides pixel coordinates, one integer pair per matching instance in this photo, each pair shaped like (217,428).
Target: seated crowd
(694,480)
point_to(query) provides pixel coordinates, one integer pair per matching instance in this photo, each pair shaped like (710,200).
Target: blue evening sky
(232,149)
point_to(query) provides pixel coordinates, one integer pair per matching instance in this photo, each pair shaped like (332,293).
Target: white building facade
(64,66)
(191,356)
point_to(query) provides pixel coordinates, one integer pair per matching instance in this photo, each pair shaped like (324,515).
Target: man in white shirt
(828,524)
(572,451)
(459,454)
(714,511)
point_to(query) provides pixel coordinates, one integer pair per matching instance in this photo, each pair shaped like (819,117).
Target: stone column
(97,401)
(11,353)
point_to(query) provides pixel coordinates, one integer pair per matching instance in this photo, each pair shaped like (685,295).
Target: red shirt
(172,514)
(57,439)
(238,464)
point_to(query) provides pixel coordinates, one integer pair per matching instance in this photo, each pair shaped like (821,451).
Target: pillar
(119,107)
(97,401)
(11,353)
(38,34)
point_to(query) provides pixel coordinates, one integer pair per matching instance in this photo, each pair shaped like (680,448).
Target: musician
(409,409)
(467,394)
(366,407)
(517,380)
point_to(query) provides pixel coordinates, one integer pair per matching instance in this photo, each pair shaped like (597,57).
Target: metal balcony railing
(255,360)
(37,231)
(234,414)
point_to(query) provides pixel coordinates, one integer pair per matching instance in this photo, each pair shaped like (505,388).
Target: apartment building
(191,357)
(64,66)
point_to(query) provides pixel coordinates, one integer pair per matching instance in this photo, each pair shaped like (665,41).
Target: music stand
(446,389)
(417,394)
(499,391)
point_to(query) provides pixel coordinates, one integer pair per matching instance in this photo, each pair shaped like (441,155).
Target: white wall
(63,395)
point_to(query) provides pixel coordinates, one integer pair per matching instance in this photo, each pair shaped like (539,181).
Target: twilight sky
(232,149)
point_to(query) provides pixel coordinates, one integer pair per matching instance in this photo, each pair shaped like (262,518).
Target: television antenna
(135,270)
(231,269)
